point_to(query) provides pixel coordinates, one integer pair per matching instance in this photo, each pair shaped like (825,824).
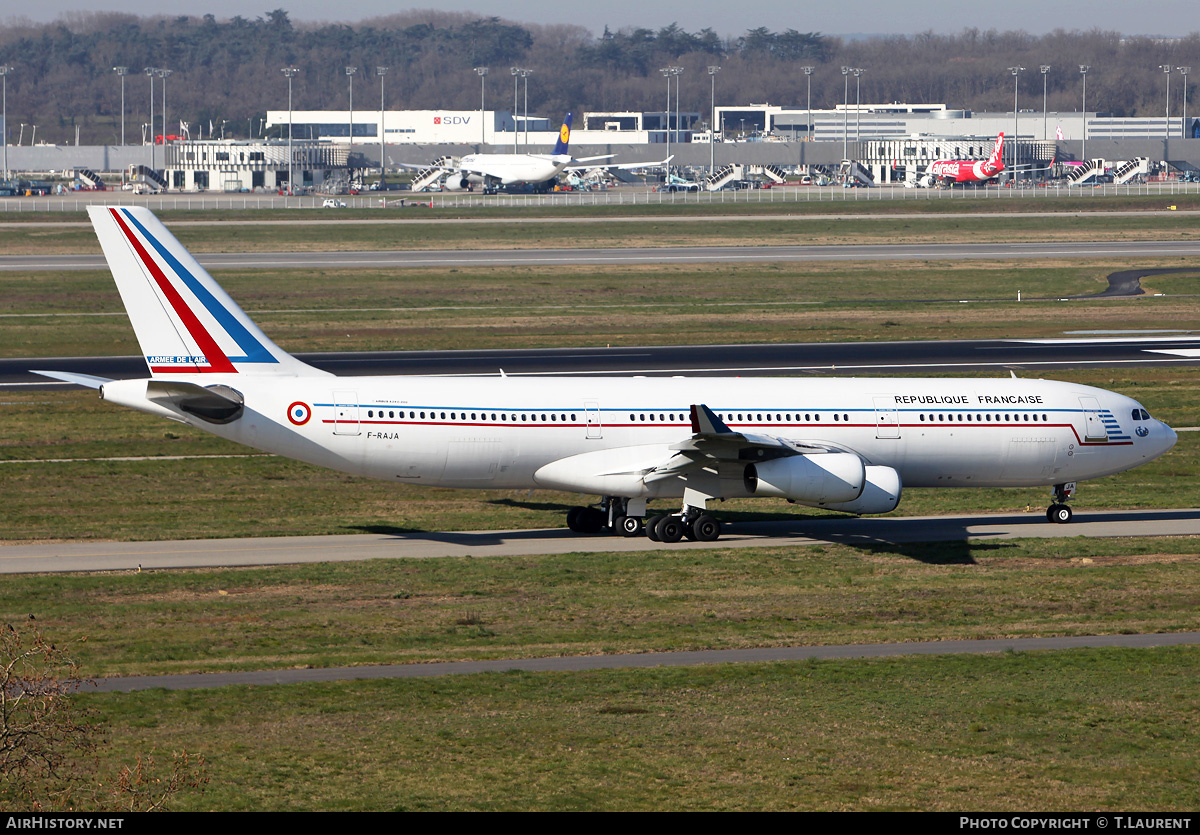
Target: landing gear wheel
(585,520)
(652,528)
(574,515)
(1060,513)
(705,528)
(669,529)
(628,525)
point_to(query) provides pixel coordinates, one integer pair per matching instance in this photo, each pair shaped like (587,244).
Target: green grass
(80,314)
(654,231)
(1089,730)
(407,611)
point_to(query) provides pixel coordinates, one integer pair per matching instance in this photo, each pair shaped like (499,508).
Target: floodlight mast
(381,72)
(290,72)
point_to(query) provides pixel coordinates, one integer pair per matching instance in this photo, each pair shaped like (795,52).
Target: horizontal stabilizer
(85,380)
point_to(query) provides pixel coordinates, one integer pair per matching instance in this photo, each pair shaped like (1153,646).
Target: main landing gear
(1060,511)
(623,516)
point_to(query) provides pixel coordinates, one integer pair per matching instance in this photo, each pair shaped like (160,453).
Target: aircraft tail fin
(185,322)
(564,136)
(996,160)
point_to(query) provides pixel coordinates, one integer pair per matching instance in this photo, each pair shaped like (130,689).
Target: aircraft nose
(1169,436)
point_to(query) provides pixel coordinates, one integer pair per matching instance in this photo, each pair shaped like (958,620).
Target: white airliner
(492,170)
(840,444)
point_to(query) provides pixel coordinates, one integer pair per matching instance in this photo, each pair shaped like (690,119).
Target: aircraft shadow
(946,540)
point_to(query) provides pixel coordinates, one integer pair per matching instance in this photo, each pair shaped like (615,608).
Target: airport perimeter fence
(622,196)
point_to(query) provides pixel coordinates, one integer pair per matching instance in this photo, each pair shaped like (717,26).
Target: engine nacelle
(927,181)
(456,182)
(810,479)
(881,494)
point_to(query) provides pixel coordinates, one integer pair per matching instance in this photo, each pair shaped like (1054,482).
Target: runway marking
(1179,352)
(1105,340)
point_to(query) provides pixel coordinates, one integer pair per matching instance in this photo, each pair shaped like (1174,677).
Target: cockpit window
(1141,414)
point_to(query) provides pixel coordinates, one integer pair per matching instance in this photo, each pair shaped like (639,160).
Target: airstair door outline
(345,413)
(887,417)
(1093,422)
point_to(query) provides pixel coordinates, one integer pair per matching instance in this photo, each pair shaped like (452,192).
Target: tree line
(227,72)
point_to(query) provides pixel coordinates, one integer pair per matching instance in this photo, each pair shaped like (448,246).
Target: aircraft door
(1093,421)
(887,418)
(591,411)
(345,413)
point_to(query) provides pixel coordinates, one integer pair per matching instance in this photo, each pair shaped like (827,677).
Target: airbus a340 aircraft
(840,444)
(491,170)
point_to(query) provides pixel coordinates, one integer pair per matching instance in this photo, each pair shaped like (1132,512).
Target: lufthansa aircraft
(492,170)
(839,444)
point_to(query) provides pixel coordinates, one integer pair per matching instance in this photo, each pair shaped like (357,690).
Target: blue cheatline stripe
(255,351)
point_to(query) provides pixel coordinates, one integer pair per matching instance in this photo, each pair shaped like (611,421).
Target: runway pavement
(884,532)
(640,255)
(1032,356)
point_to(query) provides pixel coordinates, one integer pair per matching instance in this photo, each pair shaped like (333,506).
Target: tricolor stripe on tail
(185,323)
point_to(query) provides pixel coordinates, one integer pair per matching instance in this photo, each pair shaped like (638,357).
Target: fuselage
(510,169)
(964,171)
(499,431)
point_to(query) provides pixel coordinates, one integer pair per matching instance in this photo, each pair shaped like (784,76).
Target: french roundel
(299,413)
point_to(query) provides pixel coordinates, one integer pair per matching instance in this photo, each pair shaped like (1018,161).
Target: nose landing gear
(1060,511)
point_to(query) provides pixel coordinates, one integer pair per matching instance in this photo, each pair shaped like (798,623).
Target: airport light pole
(712,132)
(808,71)
(121,72)
(1183,125)
(525,83)
(381,72)
(515,71)
(150,71)
(846,113)
(677,71)
(1016,74)
(1045,68)
(520,72)
(5,69)
(1083,71)
(858,71)
(163,73)
(666,73)
(1166,68)
(350,71)
(482,73)
(290,72)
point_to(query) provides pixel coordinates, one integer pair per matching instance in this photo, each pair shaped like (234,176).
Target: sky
(848,17)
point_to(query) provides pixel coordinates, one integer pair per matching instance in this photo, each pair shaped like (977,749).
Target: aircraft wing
(623,166)
(423,167)
(634,469)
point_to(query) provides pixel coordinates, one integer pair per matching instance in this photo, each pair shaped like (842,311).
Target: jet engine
(456,182)
(810,479)
(881,494)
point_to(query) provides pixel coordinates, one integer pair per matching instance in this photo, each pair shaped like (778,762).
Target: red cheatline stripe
(217,361)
